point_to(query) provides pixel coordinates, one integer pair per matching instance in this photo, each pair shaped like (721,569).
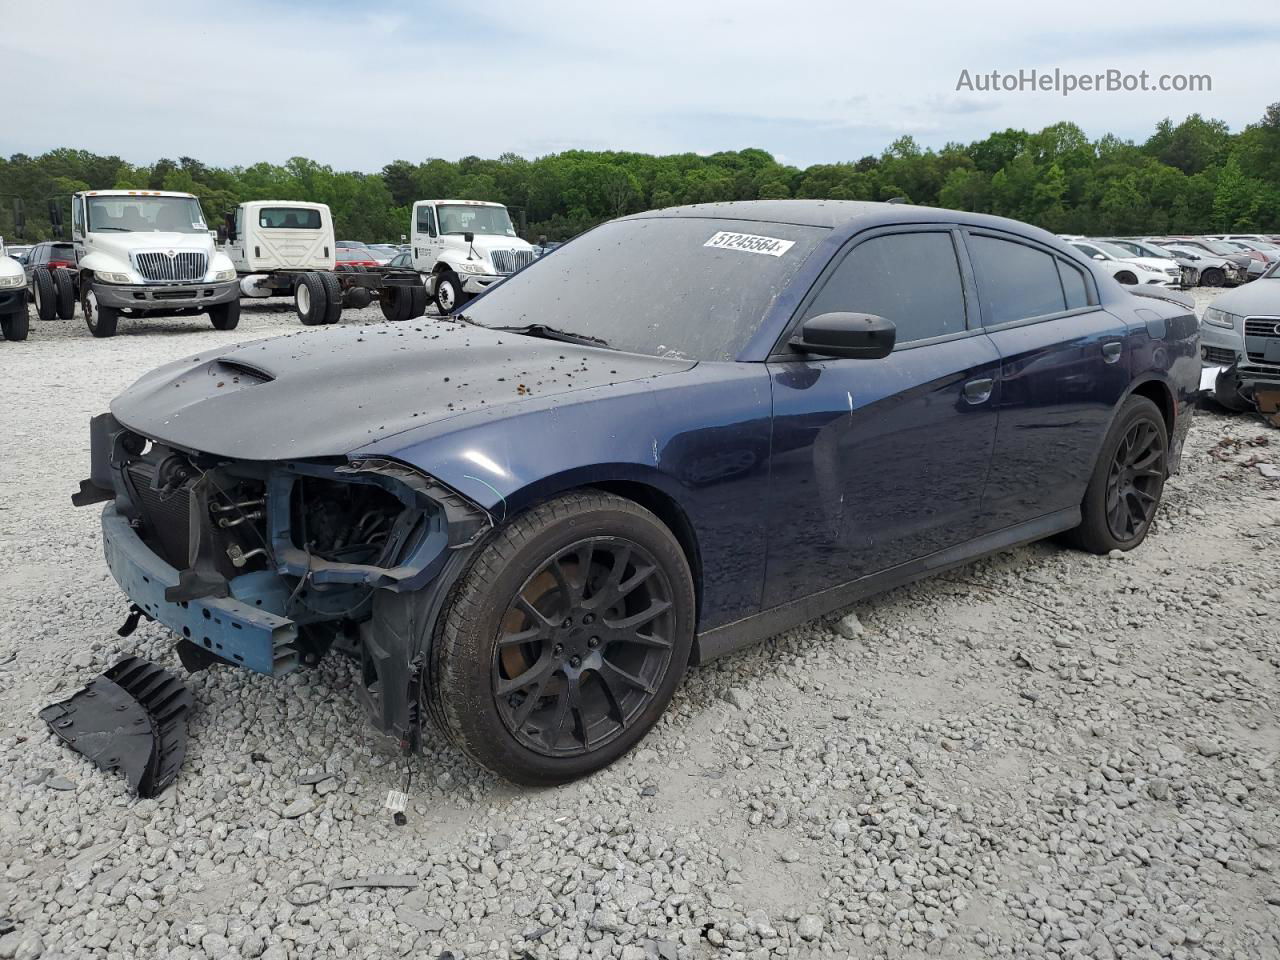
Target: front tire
(1128,480)
(565,639)
(100,320)
(449,293)
(1127,278)
(14,325)
(225,316)
(64,293)
(1213,277)
(45,294)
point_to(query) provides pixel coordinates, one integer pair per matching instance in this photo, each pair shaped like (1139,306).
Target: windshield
(480,220)
(664,286)
(1217,246)
(146,214)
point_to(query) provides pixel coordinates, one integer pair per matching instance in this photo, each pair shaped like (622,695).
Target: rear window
(289,218)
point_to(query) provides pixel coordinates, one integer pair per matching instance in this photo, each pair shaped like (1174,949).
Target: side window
(1073,285)
(912,279)
(239,223)
(77,217)
(1015,281)
(1087,250)
(426,221)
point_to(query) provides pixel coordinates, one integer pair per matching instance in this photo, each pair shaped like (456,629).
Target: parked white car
(464,247)
(1130,269)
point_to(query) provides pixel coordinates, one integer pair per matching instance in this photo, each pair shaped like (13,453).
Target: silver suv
(1240,335)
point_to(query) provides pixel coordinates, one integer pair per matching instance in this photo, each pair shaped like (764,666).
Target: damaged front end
(269,565)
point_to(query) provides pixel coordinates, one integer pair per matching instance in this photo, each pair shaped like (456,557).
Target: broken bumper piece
(236,629)
(132,719)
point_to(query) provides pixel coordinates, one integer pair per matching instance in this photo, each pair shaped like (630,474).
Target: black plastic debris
(132,719)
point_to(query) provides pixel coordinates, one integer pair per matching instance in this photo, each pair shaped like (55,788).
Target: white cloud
(820,81)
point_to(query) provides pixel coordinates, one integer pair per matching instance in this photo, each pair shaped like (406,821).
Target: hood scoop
(245,371)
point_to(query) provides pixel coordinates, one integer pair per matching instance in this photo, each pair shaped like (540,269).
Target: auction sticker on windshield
(750,243)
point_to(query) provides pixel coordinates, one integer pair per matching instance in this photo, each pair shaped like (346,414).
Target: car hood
(328,392)
(1261,297)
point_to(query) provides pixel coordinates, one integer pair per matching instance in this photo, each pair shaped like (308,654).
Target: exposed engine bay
(270,565)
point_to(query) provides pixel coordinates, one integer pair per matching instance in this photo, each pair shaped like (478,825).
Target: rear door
(1064,365)
(879,462)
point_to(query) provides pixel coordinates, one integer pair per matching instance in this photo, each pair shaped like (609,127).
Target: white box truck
(148,253)
(285,248)
(463,247)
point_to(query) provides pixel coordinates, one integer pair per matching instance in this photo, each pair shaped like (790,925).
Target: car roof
(841,213)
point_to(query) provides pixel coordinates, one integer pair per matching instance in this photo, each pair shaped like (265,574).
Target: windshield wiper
(100,229)
(551,333)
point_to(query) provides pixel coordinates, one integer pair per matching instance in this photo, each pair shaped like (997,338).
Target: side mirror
(55,218)
(228,229)
(1098,256)
(542,239)
(854,336)
(468,237)
(222,233)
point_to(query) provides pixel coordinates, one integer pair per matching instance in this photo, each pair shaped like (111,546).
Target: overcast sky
(355,85)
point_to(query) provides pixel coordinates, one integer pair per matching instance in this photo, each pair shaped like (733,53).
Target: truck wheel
(225,316)
(332,298)
(449,295)
(64,290)
(1124,491)
(309,298)
(357,298)
(14,325)
(46,296)
(100,320)
(395,302)
(564,641)
(418,301)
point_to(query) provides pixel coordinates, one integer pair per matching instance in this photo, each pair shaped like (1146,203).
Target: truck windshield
(482,221)
(684,287)
(146,214)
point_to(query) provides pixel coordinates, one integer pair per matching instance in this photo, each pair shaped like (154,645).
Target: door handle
(1111,351)
(977,391)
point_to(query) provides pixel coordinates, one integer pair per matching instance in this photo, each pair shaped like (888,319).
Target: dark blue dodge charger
(678,434)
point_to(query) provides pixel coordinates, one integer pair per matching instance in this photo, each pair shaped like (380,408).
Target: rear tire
(64,290)
(1127,278)
(14,325)
(309,299)
(333,298)
(589,659)
(100,320)
(396,302)
(418,301)
(46,295)
(225,316)
(1128,480)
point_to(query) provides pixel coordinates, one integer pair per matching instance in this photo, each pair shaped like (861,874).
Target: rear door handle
(1111,351)
(977,391)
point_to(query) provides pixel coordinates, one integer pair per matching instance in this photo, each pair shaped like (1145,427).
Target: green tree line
(1194,177)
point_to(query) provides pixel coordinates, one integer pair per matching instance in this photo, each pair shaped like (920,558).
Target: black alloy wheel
(1135,480)
(583,647)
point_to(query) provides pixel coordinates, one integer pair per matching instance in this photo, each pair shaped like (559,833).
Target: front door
(426,241)
(879,462)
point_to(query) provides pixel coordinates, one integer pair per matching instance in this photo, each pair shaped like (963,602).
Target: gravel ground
(1042,753)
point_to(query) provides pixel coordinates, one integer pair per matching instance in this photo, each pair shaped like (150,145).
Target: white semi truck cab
(149,253)
(464,247)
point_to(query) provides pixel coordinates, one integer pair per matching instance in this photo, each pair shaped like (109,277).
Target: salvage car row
(1182,261)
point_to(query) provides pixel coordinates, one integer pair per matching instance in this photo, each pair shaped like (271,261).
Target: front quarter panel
(699,438)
